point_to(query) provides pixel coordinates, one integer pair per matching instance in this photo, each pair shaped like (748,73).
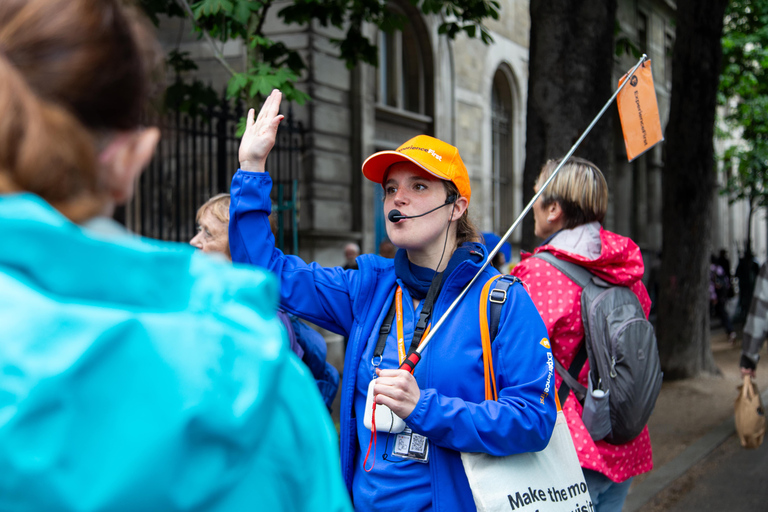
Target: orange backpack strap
(490,376)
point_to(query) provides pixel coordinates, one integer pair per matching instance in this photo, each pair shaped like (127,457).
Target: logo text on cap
(429,151)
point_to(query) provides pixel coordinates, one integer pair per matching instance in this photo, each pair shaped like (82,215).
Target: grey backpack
(625,372)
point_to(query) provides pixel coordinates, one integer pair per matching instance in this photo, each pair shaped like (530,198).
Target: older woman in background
(213,225)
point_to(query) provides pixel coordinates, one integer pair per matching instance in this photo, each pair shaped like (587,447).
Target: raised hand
(259,137)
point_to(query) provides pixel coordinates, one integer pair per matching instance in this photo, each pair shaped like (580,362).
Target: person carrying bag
(567,217)
(407,456)
(550,480)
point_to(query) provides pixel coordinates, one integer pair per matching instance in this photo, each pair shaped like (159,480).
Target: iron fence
(196,159)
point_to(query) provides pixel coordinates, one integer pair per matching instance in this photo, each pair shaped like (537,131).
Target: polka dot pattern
(557,299)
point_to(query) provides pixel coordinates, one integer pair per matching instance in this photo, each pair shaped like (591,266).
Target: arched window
(403,62)
(502,182)
(404,90)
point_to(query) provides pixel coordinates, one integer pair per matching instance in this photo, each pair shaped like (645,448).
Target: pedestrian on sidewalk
(351,252)
(386,306)
(756,327)
(746,272)
(387,249)
(719,290)
(568,217)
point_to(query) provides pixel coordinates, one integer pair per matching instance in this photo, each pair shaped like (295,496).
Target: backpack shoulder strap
(494,293)
(575,273)
(490,377)
(497,298)
(571,376)
(581,277)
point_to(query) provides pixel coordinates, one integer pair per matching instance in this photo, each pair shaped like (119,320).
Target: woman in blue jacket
(442,402)
(134,374)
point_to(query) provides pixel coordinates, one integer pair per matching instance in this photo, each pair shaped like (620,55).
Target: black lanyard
(421,325)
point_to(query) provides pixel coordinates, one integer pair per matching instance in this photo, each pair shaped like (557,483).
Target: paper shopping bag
(749,415)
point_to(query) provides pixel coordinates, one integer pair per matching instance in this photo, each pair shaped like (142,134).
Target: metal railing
(196,159)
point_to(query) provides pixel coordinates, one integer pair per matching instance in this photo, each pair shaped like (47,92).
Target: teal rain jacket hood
(142,375)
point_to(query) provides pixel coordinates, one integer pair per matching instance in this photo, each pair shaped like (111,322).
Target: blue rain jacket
(452,411)
(142,375)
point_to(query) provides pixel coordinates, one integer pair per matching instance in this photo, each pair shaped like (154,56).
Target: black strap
(421,325)
(571,377)
(497,298)
(426,311)
(386,327)
(574,272)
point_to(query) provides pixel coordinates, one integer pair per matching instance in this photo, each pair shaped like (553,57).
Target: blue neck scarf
(417,279)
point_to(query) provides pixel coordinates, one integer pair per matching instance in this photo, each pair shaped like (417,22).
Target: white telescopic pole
(528,207)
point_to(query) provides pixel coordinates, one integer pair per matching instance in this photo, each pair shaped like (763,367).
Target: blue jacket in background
(452,411)
(314,353)
(142,375)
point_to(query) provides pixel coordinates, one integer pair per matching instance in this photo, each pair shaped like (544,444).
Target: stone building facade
(464,92)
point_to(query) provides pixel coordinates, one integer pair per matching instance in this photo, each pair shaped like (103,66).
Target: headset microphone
(395,215)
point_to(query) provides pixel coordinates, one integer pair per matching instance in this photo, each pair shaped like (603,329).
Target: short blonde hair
(219,206)
(579,188)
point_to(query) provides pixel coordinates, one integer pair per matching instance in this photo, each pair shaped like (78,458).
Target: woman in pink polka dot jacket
(568,216)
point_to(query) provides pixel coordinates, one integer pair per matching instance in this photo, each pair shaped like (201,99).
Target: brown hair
(465,228)
(579,188)
(70,72)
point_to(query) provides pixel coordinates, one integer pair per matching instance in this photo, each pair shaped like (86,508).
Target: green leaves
(153,8)
(236,84)
(191,97)
(212,7)
(744,94)
(180,61)
(272,65)
(260,80)
(243,10)
(464,16)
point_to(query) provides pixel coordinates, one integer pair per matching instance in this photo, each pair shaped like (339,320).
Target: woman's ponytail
(45,150)
(73,73)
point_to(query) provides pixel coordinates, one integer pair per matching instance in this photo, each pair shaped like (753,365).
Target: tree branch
(263,16)
(216,53)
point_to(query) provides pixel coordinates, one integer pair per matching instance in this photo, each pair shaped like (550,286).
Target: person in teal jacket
(308,344)
(443,402)
(135,375)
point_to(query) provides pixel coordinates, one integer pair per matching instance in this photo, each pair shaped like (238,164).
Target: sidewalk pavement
(692,418)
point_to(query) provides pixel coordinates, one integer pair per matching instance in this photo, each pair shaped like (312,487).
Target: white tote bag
(547,481)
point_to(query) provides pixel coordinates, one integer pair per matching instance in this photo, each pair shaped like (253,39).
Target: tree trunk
(687,191)
(571,58)
(748,248)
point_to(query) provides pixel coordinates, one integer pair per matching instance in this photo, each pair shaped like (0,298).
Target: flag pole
(408,365)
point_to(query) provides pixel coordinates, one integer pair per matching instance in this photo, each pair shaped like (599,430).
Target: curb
(664,476)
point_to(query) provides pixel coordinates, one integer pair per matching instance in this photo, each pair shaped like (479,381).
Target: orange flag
(639,112)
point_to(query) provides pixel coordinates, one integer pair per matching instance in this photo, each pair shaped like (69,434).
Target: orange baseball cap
(433,155)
